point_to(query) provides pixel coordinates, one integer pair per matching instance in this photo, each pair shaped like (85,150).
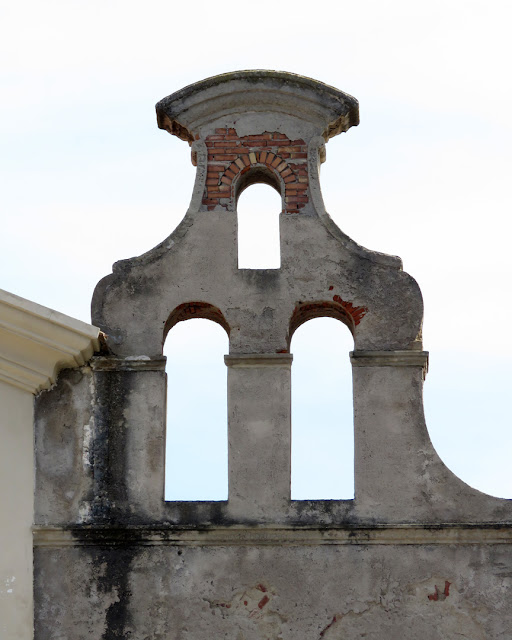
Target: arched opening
(322,412)
(258,210)
(196,466)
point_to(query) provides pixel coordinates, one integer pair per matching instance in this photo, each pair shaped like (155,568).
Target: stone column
(391,444)
(259,435)
(129,438)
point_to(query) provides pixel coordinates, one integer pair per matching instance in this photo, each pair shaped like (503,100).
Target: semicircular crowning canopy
(189,111)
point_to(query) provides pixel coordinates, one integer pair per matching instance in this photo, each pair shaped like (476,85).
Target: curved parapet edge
(314,160)
(199,148)
(394,443)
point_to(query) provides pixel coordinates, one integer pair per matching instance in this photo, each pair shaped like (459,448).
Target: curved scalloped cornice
(187,112)
(37,342)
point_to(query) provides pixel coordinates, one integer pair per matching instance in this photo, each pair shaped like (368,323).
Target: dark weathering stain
(117,616)
(113,566)
(109,491)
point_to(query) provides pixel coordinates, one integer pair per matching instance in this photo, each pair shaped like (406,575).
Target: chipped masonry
(416,554)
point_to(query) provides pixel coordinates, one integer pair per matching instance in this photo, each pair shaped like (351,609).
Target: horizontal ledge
(389,359)
(144,535)
(131,363)
(259,360)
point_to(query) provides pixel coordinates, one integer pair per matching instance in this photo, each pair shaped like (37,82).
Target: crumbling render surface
(416,554)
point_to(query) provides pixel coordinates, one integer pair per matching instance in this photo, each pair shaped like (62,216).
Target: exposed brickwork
(338,308)
(230,155)
(357,313)
(190,310)
(440,595)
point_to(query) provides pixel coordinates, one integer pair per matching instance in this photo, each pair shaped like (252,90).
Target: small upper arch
(235,162)
(256,174)
(264,167)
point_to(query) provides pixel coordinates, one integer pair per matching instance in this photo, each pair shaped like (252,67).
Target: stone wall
(417,553)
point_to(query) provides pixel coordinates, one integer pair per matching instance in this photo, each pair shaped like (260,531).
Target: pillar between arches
(259,435)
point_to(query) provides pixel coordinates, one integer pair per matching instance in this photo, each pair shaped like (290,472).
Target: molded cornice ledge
(258,360)
(37,342)
(410,358)
(191,112)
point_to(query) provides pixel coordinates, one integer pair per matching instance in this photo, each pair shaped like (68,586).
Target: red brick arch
(230,156)
(338,308)
(190,310)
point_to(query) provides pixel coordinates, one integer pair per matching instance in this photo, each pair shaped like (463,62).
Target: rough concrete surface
(417,553)
(294,593)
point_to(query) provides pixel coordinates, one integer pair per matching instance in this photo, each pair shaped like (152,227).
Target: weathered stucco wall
(417,553)
(275,591)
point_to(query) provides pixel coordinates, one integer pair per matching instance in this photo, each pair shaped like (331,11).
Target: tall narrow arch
(348,313)
(322,411)
(196,466)
(258,210)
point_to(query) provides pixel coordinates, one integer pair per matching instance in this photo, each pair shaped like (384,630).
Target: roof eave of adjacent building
(37,342)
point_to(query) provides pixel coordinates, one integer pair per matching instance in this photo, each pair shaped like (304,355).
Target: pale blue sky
(87,178)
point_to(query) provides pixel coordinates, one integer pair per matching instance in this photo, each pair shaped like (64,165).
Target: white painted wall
(16,508)
(35,344)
